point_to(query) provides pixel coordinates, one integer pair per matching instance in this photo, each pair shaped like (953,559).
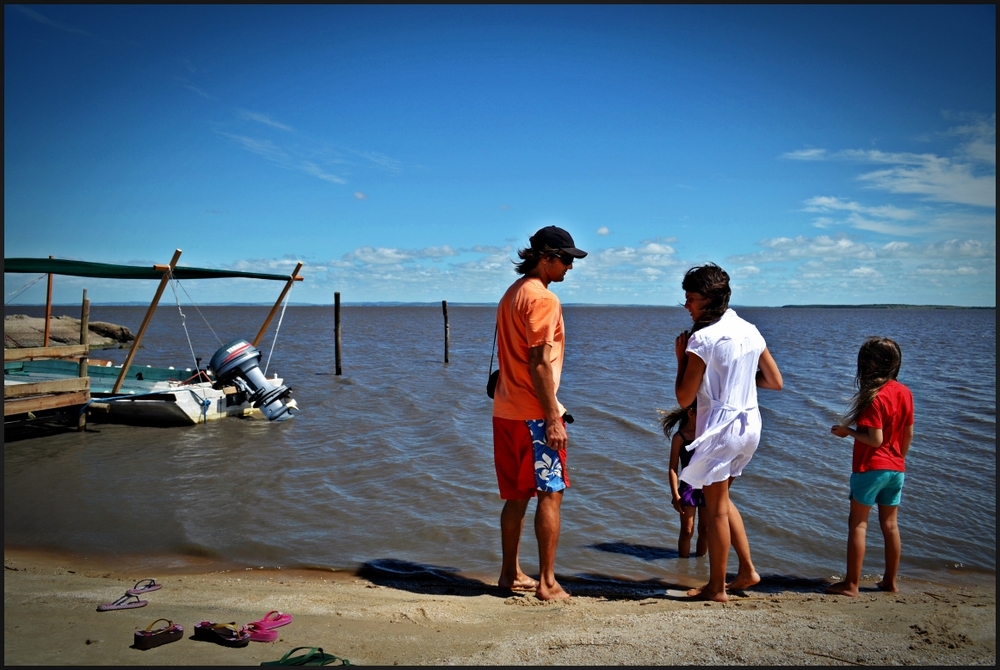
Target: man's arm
(543,379)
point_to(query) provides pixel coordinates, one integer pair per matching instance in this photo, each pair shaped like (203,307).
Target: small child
(882,409)
(686,500)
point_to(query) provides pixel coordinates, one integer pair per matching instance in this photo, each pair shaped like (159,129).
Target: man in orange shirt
(529,432)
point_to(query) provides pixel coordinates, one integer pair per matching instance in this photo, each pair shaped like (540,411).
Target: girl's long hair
(676,416)
(879,360)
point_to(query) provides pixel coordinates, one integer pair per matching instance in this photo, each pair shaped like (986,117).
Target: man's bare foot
(702,593)
(843,589)
(552,592)
(520,583)
(891,588)
(741,582)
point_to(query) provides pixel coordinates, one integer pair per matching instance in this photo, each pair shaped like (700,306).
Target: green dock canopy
(109,271)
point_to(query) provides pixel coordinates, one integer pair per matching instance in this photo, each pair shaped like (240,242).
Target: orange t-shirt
(529,315)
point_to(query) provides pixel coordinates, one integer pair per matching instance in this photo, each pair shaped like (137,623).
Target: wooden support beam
(167,270)
(39,403)
(42,388)
(31,353)
(267,322)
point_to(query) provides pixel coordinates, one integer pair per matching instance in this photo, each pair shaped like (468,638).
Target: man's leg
(547,533)
(746,575)
(717,512)
(511,525)
(857,528)
(893,546)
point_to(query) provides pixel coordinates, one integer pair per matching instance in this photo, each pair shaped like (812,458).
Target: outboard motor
(237,363)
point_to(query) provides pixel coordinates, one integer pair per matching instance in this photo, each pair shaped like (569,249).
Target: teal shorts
(884,487)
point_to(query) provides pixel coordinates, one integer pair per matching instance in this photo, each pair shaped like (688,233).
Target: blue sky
(835,154)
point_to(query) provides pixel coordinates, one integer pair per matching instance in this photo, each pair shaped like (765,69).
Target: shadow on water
(643,551)
(424,579)
(42,426)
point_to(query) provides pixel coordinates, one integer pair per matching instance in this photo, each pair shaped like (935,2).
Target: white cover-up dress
(728,424)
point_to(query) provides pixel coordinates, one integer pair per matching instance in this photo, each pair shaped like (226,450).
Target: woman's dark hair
(678,415)
(712,282)
(879,360)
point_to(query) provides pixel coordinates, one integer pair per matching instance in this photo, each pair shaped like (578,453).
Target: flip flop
(126,602)
(226,634)
(149,638)
(274,619)
(144,586)
(261,634)
(313,656)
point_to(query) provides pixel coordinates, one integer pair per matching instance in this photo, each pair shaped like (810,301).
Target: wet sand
(50,617)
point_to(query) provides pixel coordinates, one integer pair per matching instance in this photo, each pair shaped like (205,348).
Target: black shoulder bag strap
(491,384)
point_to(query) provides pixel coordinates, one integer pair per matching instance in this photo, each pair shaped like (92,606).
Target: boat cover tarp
(58,266)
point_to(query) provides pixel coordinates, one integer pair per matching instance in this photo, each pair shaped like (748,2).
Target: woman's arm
(907,439)
(768,374)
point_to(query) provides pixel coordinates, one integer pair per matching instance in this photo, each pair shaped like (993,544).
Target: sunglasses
(566,259)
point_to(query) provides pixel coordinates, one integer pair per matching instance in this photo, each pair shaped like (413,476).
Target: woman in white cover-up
(721,362)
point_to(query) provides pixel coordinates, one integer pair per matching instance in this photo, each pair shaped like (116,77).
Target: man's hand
(555,434)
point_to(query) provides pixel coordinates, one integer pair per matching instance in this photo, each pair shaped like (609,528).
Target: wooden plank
(41,388)
(38,403)
(31,353)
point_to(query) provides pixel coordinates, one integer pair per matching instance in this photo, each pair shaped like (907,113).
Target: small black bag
(491,383)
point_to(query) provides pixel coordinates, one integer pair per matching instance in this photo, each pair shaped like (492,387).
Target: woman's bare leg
(717,511)
(746,575)
(893,546)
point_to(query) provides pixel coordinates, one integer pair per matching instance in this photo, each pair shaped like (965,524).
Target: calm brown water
(393,460)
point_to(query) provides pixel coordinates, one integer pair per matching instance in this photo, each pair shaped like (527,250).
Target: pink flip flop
(126,602)
(260,634)
(274,619)
(144,586)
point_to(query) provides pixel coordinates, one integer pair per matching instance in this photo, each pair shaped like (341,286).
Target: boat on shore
(41,380)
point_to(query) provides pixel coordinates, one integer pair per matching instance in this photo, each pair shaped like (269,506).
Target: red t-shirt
(892,412)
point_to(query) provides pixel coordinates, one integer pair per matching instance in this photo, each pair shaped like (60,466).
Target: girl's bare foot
(843,589)
(520,583)
(891,588)
(551,592)
(741,582)
(702,593)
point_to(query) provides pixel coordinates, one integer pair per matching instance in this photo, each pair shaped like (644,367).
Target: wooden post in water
(48,311)
(336,330)
(81,420)
(447,328)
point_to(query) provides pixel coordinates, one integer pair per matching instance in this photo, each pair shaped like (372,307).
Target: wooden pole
(48,311)
(167,270)
(447,328)
(81,420)
(267,322)
(336,330)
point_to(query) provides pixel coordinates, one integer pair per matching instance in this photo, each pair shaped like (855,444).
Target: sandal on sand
(313,656)
(126,602)
(144,586)
(226,634)
(274,619)
(149,638)
(260,634)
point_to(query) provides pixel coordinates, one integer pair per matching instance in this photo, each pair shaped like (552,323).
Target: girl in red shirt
(882,410)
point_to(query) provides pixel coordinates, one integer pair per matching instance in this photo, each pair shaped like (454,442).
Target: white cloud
(44,20)
(806,154)
(358,195)
(320,173)
(263,118)
(824,203)
(603,230)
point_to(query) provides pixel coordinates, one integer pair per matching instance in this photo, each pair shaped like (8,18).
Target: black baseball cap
(555,237)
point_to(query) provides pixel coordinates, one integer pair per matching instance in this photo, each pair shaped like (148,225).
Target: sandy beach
(50,617)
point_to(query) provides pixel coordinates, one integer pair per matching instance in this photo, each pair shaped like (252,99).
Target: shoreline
(377,618)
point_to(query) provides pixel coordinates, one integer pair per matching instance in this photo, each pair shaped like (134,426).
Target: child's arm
(872,436)
(905,442)
(675,459)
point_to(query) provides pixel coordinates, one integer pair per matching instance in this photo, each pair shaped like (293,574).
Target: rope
(184,322)
(276,330)
(193,304)
(16,292)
